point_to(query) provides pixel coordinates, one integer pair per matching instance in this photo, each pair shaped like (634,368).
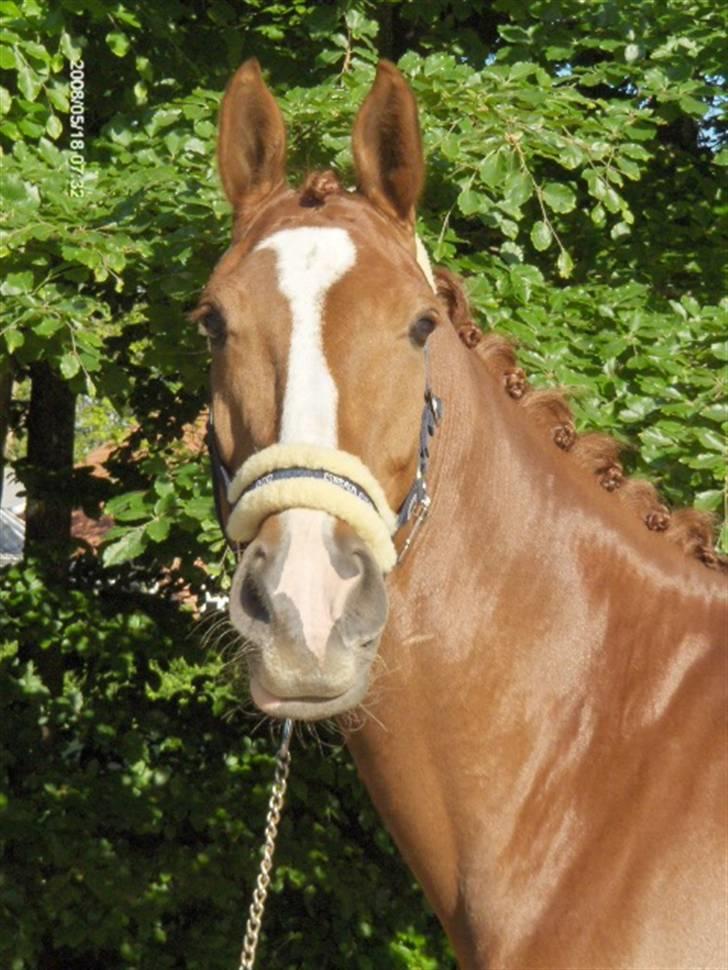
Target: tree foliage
(574,161)
(135,800)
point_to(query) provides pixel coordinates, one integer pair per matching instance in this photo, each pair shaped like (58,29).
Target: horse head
(317,317)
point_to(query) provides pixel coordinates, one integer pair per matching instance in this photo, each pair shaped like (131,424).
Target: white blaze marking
(309,578)
(309,262)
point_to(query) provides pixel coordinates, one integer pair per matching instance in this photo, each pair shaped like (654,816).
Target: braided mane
(598,454)
(690,529)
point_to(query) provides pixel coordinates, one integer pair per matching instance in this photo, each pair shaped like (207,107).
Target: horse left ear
(388,157)
(251,148)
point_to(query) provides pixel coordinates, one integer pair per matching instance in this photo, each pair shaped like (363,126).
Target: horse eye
(212,325)
(421,330)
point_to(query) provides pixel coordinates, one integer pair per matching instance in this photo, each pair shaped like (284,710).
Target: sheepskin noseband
(287,476)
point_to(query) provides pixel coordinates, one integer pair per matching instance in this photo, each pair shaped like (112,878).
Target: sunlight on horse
(547,738)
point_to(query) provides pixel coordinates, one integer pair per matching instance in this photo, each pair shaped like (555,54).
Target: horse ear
(388,155)
(251,146)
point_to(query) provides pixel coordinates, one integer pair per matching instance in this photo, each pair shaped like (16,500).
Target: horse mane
(598,454)
(690,529)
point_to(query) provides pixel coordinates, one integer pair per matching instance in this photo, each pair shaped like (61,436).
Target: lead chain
(260,894)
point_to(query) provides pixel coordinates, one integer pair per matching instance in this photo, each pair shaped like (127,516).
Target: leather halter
(414,507)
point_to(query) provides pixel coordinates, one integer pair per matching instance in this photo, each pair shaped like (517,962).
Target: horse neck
(497,615)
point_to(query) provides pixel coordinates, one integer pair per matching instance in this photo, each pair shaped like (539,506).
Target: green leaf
(656,439)
(470,201)
(565,264)
(128,547)
(559,197)
(29,82)
(48,151)
(508,227)
(719,349)
(692,106)
(637,408)
(630,168)
(163,487)
(7,58)
(716,412)
(19,192)
(13,339)
(514,35)
(711,439)
(158,529)
(612,200)
(598,215)
(521,69)
(69,365)
(619,230)
(128,507)
(16,283)
(710,500)
(554,53)
(36,51)
(518,188)
(57,96)
(199,508)
(70,47)
(5,101)
(493,169)
(710,460)
(571,156)
(541,236)
(118,42)
(54,127)
(47,327)
(511,253)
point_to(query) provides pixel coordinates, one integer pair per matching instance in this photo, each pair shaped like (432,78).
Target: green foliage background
(575,156)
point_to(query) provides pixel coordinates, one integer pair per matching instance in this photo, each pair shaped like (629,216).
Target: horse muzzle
(309,599)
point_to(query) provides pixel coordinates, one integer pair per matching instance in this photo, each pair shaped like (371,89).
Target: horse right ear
(251,146)
(388,157)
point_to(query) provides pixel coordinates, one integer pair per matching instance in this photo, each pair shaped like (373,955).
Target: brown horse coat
(548,745)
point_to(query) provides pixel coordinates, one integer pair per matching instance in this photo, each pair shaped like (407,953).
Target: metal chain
(275,806)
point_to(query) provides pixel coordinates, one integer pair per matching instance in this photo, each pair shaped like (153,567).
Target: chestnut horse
(547,741)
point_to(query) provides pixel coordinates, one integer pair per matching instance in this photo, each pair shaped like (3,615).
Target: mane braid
(690,529)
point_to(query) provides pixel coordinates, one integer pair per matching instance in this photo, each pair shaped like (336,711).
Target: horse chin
(307,708)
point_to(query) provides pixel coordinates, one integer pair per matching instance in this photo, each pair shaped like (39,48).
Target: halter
(285,476)
(332,480)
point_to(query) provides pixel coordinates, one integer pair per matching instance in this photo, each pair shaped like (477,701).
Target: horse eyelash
(421,329)
(210,323)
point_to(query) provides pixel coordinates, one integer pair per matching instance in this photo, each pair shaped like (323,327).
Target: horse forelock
(318,187)
(690,529)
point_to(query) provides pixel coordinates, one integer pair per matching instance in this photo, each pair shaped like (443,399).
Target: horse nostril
(253,601)
(259,554)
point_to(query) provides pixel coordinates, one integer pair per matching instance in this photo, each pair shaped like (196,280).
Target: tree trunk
(49,476)
(385,41)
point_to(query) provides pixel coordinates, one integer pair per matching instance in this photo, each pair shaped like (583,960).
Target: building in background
(12,525)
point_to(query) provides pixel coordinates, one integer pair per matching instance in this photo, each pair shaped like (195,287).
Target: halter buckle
(417,511)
